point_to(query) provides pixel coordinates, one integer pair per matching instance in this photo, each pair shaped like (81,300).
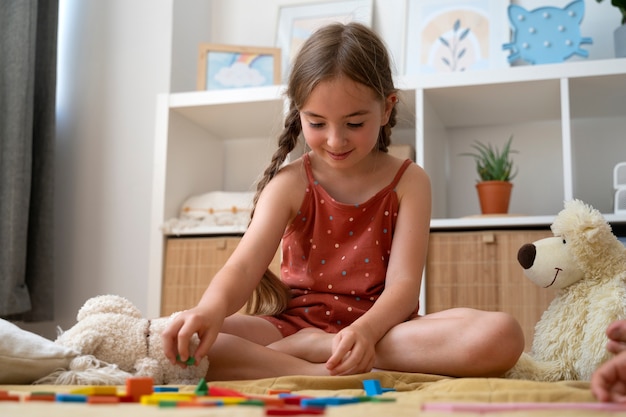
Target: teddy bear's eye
(564,242)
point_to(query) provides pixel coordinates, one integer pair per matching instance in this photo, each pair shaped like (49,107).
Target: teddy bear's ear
(108,304)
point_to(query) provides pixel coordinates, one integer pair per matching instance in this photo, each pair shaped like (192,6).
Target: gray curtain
(28,43)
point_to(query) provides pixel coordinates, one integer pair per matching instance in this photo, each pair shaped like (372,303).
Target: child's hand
(608,382)
(353,353)
(178,334)
(616,332)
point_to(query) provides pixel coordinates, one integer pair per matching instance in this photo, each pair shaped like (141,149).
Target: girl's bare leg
(234,358)
(456,342)
(311,344)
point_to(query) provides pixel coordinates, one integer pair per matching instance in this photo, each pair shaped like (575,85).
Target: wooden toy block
(268,400)
(293,411)
(157,397)
(166,389)
(71,398)
(5,396)
(190,361)
(292,399)
(136,387)
(103,399)
(373,387)
(41,396)
(322,402)
(95,390)
(223,392)
(194,404)
(202,388)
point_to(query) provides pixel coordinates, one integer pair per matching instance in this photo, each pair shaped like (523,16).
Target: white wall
(245,22)
(115,57)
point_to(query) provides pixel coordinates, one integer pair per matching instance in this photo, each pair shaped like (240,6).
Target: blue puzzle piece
(322,402)
(372,387)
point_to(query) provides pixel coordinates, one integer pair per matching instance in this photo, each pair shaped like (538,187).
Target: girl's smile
(341,121)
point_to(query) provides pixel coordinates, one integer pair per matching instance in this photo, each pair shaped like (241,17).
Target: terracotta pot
(494,196)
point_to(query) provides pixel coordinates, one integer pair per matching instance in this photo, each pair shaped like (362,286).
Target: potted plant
(620,33)
(495,170)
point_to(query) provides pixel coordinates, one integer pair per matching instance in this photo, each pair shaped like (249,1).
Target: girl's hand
(608,382)
(616,333)
(177,336)
(352,353)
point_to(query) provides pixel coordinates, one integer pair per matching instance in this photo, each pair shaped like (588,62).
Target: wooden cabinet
(190,264)
(479,269)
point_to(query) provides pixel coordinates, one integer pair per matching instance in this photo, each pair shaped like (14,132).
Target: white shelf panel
(487,222)
(478,222)
(233,114)
(496,104)
(591,68)
(490,222)
(208,231)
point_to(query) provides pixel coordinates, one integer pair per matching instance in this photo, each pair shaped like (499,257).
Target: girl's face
(341,121)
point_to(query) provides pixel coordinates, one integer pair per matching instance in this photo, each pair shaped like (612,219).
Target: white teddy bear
(587,263)
(115,342)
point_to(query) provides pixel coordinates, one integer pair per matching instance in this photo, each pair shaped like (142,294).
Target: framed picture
(297,23)
(455,35)
(227,66)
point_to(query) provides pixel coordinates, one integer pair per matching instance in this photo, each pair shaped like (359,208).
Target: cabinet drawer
(190,264)
(480,270)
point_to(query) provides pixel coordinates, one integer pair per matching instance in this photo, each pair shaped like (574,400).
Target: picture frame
(455,35)
(296,23)
(230,66)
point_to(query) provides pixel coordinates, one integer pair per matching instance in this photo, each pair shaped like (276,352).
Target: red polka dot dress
(335,257)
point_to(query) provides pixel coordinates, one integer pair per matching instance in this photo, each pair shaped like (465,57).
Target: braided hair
(352,50)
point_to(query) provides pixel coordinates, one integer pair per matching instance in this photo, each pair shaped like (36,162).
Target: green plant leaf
(492,163)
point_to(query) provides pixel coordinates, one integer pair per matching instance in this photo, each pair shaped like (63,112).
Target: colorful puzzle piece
(372,387)
(142,390)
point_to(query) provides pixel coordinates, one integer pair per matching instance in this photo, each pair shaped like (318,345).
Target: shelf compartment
(233,114)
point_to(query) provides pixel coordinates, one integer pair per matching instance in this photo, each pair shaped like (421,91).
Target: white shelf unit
(568,121)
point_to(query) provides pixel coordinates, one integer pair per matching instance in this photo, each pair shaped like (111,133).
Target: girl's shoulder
(290,182)
(414,179)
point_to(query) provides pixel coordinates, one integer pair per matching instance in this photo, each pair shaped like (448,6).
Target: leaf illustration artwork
(455,47)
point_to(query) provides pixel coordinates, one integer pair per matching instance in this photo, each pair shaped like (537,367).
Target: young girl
(354,224)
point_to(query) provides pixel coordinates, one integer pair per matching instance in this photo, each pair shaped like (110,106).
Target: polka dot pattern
(335,257)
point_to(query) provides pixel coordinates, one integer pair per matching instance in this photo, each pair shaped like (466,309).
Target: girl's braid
(384,140)
(287,141)
(271,295)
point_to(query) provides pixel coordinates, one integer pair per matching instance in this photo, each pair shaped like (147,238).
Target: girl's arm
(233,284)
(403,279)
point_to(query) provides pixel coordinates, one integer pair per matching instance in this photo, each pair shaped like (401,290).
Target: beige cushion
(25,357)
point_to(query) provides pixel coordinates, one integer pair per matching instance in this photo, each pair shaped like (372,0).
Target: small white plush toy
(115,342)
(587,264)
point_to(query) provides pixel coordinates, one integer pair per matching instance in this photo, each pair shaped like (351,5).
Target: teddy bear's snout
(526,255)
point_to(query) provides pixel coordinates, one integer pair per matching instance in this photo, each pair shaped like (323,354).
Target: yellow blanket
(412,391)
